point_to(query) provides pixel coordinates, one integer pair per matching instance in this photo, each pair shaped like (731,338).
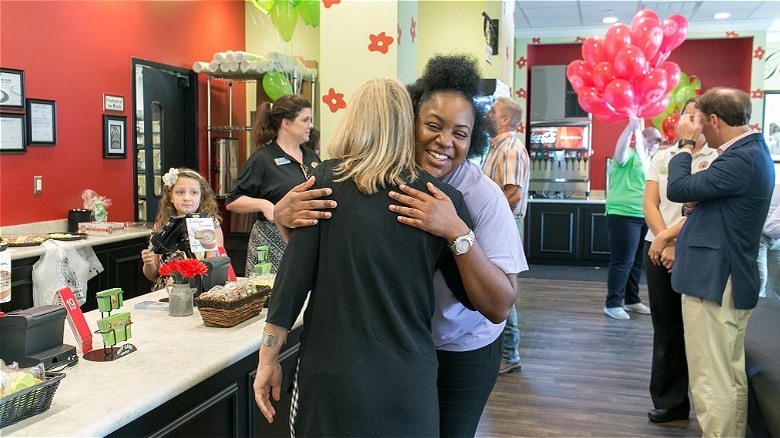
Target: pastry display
(24,239)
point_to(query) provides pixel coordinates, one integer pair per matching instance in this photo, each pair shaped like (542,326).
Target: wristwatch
(683,142)
(462,244)
(269,340)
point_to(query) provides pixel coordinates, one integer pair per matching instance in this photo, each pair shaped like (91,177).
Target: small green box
(109,299)
(115,328)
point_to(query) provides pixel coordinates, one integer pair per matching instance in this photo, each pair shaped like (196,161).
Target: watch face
(462,246)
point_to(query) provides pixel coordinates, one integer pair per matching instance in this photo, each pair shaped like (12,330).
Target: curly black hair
(458,73)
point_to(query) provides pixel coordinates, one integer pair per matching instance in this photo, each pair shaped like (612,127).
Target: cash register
(32,336)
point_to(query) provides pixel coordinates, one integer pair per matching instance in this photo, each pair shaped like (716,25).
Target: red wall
(75,51)
(721,62)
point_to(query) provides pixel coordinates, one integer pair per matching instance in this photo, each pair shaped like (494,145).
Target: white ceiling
(537,18)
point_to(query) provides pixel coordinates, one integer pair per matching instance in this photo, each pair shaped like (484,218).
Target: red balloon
(617,37)
(670,126)
(611,118)
(630,62)
(579,75)
(653,109)
(594,51)
(603,74)
(675,30)
(593,102)
(658,59)
(651,87)
(645,13)
(620,95)
(646,33)
(673,75)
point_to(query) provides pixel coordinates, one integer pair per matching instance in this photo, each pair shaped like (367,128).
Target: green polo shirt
(626,187)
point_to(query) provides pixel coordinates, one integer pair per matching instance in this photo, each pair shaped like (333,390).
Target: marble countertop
(591,200)
(174,354)
(22,252)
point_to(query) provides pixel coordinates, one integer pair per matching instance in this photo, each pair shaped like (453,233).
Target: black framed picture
(12,133)
(42,122)
(114,136)
(11,88)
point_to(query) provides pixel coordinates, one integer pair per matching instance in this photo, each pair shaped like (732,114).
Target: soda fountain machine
(560,160)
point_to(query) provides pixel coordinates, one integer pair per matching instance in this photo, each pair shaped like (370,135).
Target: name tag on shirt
(281,161)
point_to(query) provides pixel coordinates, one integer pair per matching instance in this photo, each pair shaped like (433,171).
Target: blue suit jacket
(721,236)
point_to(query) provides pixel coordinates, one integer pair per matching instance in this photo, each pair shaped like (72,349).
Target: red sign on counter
(76,319)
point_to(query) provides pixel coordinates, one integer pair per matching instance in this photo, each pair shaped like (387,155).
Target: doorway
(165,115)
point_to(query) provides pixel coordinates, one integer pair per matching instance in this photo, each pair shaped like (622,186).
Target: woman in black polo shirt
(278,164)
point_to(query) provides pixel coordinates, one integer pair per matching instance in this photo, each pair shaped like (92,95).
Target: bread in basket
(231,304)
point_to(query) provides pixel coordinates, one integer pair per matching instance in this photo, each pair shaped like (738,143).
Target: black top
(269,173)
(367,361)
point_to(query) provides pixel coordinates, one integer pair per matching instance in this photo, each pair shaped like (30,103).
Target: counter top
(591,200)
(174,354)
(22,252)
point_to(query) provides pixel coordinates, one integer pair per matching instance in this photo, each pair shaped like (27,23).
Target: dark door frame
(190,122)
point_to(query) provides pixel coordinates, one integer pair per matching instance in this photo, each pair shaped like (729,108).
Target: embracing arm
(301,207)
(245,204)
(492,292)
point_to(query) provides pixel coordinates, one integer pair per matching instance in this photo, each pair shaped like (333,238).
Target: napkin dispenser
(217,274)
(34,335)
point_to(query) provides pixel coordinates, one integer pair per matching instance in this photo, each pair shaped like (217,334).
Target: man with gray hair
(507,164)
(715,267)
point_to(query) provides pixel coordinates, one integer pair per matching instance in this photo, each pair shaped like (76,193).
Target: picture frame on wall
(12,133)
(42,122)
(11,88)
(114,136)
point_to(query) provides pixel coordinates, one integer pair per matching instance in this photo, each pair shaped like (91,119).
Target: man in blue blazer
(715,267)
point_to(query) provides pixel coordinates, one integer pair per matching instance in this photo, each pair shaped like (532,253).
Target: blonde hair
(375,139)
(208,203)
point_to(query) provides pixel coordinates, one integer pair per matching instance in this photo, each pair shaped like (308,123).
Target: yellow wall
(447,26)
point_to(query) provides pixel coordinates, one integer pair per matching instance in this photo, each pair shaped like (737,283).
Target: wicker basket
(30,401)
(217,313)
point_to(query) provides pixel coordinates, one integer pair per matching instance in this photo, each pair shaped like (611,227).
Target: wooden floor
(583,373)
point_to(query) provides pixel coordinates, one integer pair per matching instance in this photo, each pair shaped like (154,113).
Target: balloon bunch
(284,14)
(666,122)
(625,74)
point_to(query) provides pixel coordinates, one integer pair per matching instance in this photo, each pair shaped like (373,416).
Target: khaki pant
(715,346)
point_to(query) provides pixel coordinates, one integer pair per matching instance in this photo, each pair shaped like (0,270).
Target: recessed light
(722,15)
(609,20)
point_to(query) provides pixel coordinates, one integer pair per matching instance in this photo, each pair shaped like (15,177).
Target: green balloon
(284,17)
(264,5)
(684,80)
(276,84)
(683,94)
(309,11)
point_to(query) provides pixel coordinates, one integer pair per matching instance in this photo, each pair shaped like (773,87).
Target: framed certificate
(42,122)
(12,133)
(11,88)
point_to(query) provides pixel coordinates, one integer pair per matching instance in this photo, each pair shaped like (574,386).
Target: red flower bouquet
(183,270)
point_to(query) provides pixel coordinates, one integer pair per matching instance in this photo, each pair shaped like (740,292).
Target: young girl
(184,191)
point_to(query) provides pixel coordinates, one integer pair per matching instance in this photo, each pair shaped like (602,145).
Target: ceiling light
(609,20)
(722,15)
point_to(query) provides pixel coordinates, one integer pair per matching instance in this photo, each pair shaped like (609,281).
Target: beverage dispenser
(225,165)
(560,160)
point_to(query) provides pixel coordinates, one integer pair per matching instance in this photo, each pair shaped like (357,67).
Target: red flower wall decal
(732,34)
(398,30)
(757,94)
(329,3)
(380,43)
(755,127)
(759,53)
(334,100)
(413,29)
(521,62)
(536,40)
(521,93)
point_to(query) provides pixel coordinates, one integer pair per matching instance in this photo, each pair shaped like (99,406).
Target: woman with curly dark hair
(449,128)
